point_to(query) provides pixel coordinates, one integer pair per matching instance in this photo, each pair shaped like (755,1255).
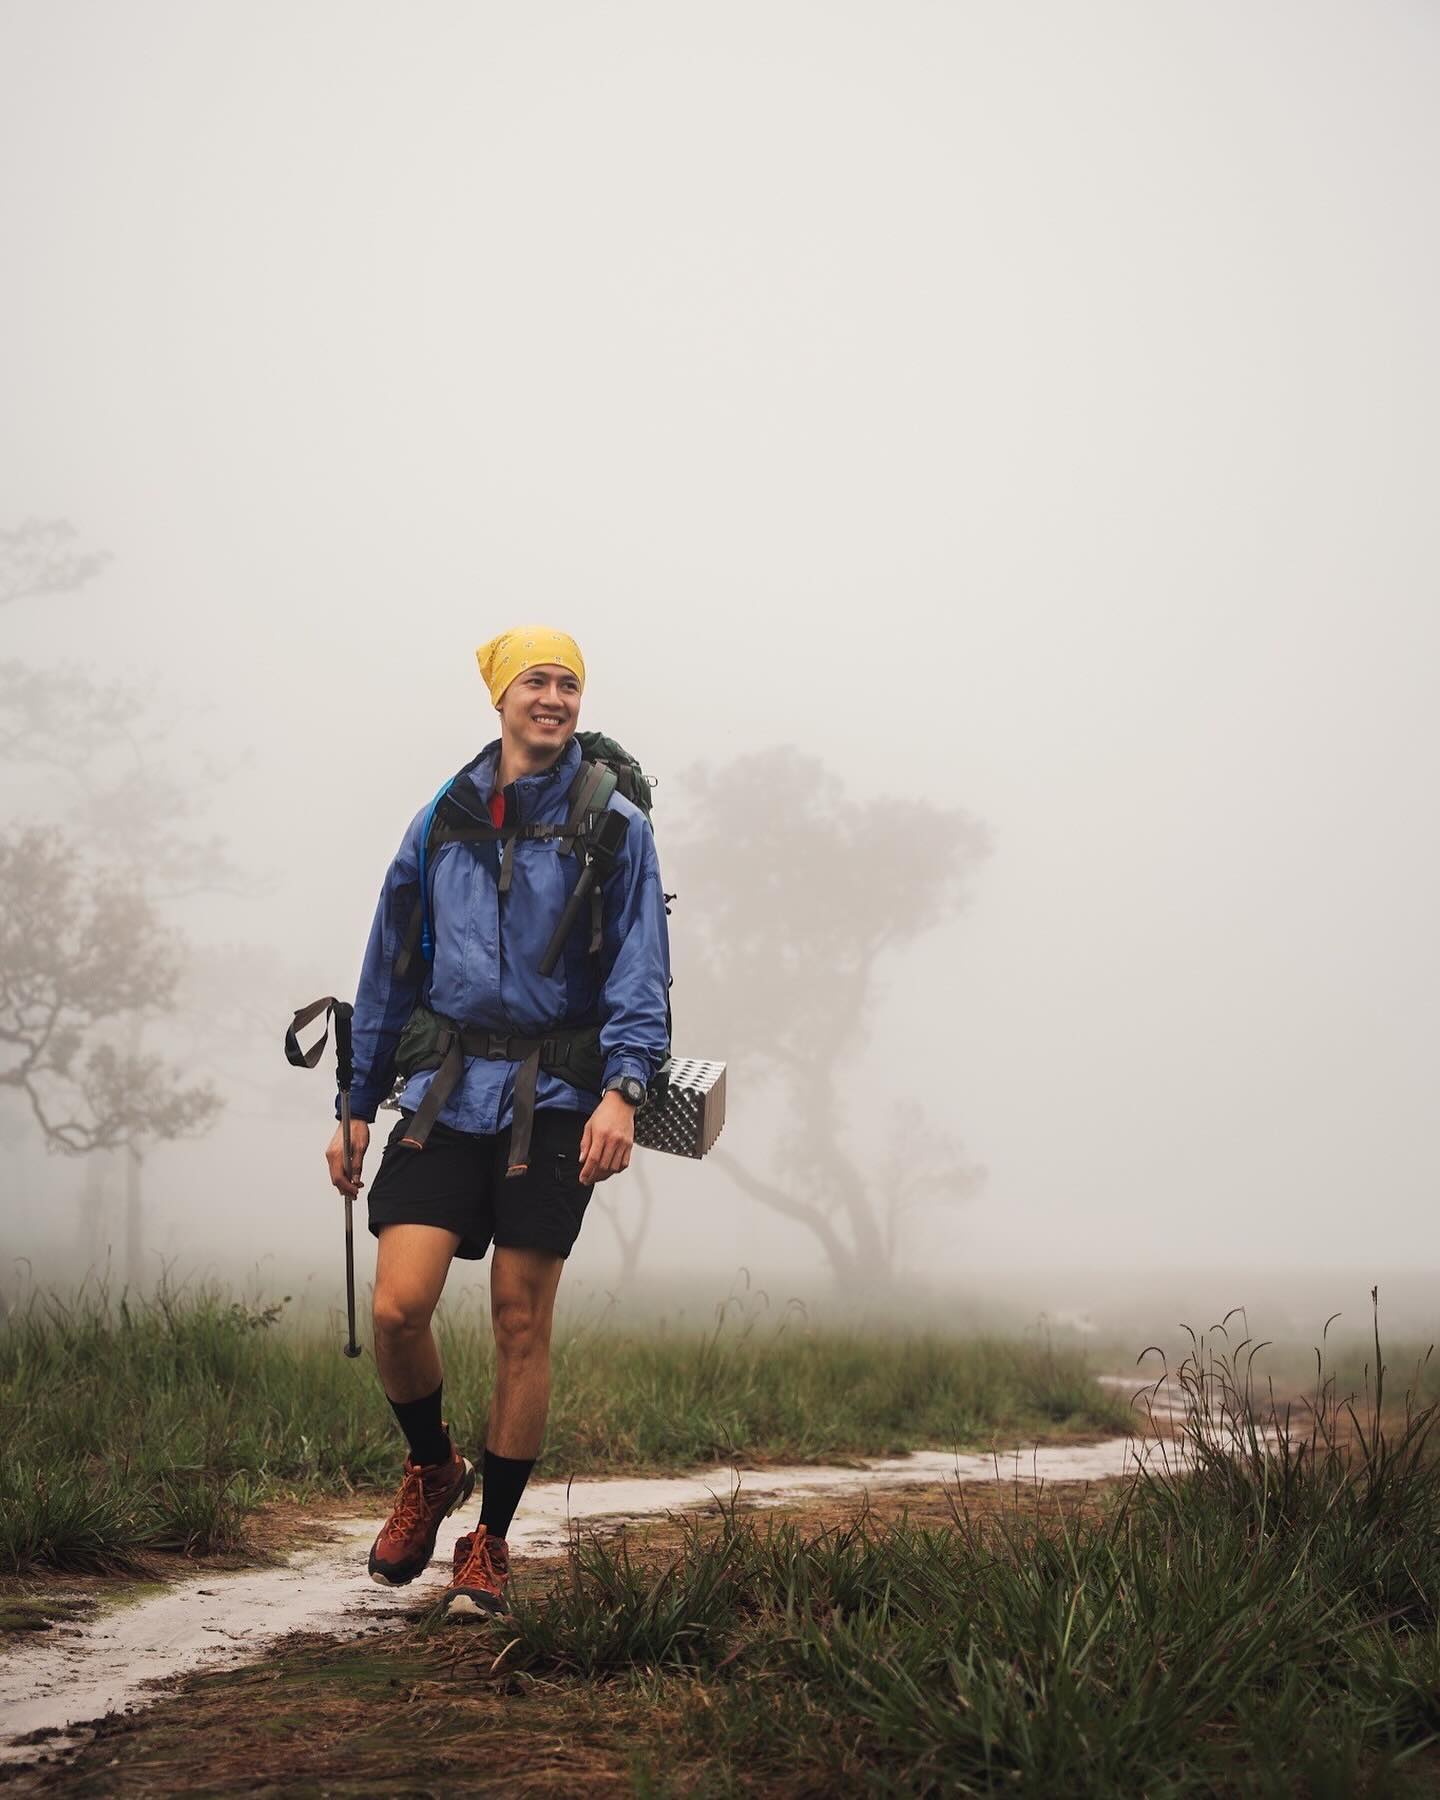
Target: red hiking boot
(407,1539)
(482,1567)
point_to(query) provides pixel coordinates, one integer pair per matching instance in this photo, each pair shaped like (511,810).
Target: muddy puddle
(122,1658)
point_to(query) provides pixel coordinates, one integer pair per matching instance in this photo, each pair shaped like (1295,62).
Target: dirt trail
(219,1619)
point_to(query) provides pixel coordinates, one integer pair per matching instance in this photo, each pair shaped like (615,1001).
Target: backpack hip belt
(431,1041)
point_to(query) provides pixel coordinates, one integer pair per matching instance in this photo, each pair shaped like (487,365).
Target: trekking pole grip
(344,1060)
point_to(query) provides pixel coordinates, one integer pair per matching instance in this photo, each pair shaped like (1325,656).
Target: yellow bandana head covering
(513,652)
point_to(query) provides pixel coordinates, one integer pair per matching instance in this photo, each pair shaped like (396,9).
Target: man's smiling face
(541,708)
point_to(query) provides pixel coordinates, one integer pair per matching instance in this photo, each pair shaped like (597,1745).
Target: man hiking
(522,1086)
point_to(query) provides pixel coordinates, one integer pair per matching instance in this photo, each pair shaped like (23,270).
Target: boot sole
(466,1606)
(462,1494)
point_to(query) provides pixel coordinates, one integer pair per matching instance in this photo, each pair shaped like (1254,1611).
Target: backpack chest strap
(508,835)
(443,833)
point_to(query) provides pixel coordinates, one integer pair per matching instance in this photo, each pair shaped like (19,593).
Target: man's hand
(608,1139)
(335,1157)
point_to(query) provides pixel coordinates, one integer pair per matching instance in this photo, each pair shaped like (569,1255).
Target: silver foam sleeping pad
(688,1118)
(685,1121)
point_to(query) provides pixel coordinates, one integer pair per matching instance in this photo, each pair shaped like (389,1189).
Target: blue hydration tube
(427,936)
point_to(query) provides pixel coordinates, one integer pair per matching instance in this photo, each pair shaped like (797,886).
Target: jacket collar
(532,796)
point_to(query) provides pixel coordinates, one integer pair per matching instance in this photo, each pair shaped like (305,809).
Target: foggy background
(1021,418)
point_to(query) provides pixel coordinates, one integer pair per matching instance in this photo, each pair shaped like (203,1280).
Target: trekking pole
(341,1011)
(344,1071)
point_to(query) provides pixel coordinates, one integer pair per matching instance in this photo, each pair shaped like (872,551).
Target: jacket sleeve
(383,1001)
(634,995)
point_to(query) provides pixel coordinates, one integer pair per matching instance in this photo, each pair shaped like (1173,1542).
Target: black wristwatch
(628,1087)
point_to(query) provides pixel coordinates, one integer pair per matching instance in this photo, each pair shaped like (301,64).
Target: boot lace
(479,1568)
(409,1508)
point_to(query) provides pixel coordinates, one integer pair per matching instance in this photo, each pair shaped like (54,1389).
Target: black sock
(424,1429)
(503,1484)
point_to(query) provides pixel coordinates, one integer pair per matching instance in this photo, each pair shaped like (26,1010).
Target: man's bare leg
(410,1271)
(522,1310)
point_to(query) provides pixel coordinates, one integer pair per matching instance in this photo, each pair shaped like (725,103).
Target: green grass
(41,1612)
(1265,1621)
(161,1424)
(1261,1618)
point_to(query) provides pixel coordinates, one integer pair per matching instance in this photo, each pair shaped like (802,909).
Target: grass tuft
(1260,1615)
(160,1424)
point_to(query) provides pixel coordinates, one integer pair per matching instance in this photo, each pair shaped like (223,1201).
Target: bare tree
(807,892)
(43,556)
(631,1224)
(107,745)
(85,959)
(79,955)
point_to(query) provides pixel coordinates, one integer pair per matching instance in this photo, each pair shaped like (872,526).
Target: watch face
(633,1089)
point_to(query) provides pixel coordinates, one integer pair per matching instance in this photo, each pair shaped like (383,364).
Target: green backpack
(631,781)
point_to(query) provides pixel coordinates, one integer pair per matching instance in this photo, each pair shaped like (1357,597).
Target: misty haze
(958,440)
(988,460)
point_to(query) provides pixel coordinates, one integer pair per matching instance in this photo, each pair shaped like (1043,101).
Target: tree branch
(842,1259)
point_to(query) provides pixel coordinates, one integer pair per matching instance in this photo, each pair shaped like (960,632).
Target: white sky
(1026,405)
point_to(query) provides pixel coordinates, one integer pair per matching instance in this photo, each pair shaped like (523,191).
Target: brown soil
(939,1505)
(417,1712)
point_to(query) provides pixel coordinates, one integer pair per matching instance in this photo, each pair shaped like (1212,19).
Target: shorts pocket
(564,1139)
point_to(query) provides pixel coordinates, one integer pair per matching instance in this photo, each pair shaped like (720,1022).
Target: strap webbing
(489,834)
(307,1059)
(553,1051)
(588,799)
(439,1091)
(523,1122)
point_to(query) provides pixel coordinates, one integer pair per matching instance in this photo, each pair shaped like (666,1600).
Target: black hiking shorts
(458,1182)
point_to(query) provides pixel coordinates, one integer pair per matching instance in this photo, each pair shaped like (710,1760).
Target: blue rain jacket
(488,949)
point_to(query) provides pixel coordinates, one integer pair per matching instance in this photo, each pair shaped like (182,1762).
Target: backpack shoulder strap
(419,934)
(589,793)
